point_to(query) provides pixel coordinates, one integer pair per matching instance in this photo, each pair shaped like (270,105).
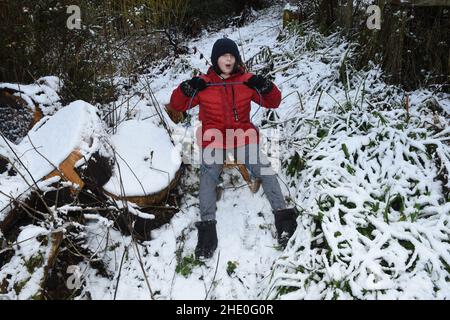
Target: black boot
(207,239)
(286,224)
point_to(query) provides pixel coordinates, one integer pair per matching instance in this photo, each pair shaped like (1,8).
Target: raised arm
(266,93)
(181,97)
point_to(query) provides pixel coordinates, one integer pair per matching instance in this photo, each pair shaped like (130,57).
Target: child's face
(226,63)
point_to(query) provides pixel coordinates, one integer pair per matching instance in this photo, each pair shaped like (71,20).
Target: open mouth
(228,65)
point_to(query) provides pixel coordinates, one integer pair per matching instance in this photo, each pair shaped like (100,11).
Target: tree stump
(149,199)
(292,14)
(39,156)
(16,117)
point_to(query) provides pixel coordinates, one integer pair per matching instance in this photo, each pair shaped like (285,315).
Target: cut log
(152,199)
(147,164)
(16,116)
(54,147)
(147,168)
(62,142)
(67,169)
(292,14)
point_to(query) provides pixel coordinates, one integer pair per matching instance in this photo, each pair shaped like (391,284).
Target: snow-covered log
(147,165)
(23,105)
(43,93)
(16,116)
(51,152)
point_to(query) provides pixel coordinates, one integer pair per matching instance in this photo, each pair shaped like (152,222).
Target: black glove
(190,87)
(197,83)
(260,83)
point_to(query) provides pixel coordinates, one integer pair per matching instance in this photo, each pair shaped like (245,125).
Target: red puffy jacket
(216,109)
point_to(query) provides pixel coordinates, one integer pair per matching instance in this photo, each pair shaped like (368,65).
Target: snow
(44,93)
(146,159)
(351,243)
(244,237)
(26,268)
(290,7)
(28,245)
(50,141)
(54,138)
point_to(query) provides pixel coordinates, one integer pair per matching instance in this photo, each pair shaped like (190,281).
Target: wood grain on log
(67,169)
(150,199)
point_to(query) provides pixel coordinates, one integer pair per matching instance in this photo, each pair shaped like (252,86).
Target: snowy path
(241,266)
(246,239)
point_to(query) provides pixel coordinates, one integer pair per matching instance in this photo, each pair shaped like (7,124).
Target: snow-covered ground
(247,263)
(247,242)
(373,224)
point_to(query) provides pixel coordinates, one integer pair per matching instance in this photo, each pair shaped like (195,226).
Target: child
(224,95)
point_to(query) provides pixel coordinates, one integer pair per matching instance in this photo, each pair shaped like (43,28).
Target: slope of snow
(245,221)
(307,72)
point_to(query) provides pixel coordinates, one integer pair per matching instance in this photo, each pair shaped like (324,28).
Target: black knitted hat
(222,46)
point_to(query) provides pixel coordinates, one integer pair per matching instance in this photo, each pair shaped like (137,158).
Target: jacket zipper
(233,107)
(236,118)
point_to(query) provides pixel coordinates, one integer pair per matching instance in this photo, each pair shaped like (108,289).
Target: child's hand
(259,83)
(191,87)
(197,83)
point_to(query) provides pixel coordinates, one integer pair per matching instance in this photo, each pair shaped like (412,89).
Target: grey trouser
(258,166)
